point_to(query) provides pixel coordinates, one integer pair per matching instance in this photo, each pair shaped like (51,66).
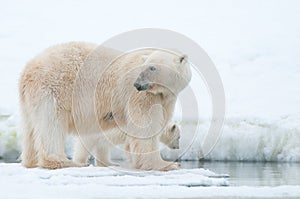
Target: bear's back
(53,72)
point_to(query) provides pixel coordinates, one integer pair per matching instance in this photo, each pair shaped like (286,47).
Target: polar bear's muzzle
(141,87)
(143,82)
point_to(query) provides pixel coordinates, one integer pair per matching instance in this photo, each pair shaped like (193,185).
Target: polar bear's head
(164,70)
(171,136)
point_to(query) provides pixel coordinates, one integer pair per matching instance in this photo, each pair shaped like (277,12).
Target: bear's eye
(152,68)
(173,128)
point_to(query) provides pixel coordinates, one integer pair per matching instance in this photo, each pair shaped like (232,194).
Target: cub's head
(171,136)
(163,71)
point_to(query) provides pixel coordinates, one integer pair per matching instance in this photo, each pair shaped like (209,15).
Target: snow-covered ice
(96,182)
(111,176)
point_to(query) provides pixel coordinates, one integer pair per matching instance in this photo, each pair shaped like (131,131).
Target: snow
(10,136)
(249,139)
(153,191)
(100,182)
(96,182)
(112,176)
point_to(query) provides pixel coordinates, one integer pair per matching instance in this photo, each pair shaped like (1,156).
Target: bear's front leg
(145,155)
(84,146)
(102,156)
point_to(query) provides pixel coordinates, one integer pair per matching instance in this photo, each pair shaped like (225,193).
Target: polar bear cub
(99,145)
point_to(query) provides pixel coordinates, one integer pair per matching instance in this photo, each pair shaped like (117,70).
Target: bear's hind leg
(29,155)
(49,134)
(49,144)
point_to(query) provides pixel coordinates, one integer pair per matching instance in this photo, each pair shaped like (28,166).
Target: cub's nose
(137,86)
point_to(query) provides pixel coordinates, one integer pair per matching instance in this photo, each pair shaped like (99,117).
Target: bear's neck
(166,100)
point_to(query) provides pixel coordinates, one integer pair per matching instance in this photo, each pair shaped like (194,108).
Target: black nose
(138,86)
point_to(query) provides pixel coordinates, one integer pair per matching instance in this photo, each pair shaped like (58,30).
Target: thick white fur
(56,90)
(99,145)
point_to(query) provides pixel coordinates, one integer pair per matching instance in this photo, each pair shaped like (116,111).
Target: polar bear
(99,145)
(78,87)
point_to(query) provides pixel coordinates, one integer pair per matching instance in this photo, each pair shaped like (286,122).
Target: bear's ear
(144,57)
(183,59)
(173,128)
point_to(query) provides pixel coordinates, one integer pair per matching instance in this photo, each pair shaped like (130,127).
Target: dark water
(248,173)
